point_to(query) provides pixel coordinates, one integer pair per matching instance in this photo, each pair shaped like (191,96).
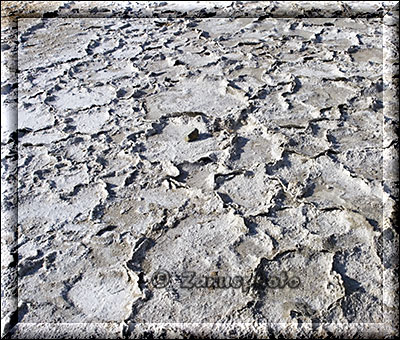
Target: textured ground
(285,179)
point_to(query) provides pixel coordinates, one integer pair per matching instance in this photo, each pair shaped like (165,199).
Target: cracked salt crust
(285,174)
(263,109)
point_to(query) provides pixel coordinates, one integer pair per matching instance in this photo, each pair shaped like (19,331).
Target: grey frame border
(13,10)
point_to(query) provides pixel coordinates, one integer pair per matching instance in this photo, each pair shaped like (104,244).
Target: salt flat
(284,178)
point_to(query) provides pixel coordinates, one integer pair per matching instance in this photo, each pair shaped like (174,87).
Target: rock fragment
(194,135)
